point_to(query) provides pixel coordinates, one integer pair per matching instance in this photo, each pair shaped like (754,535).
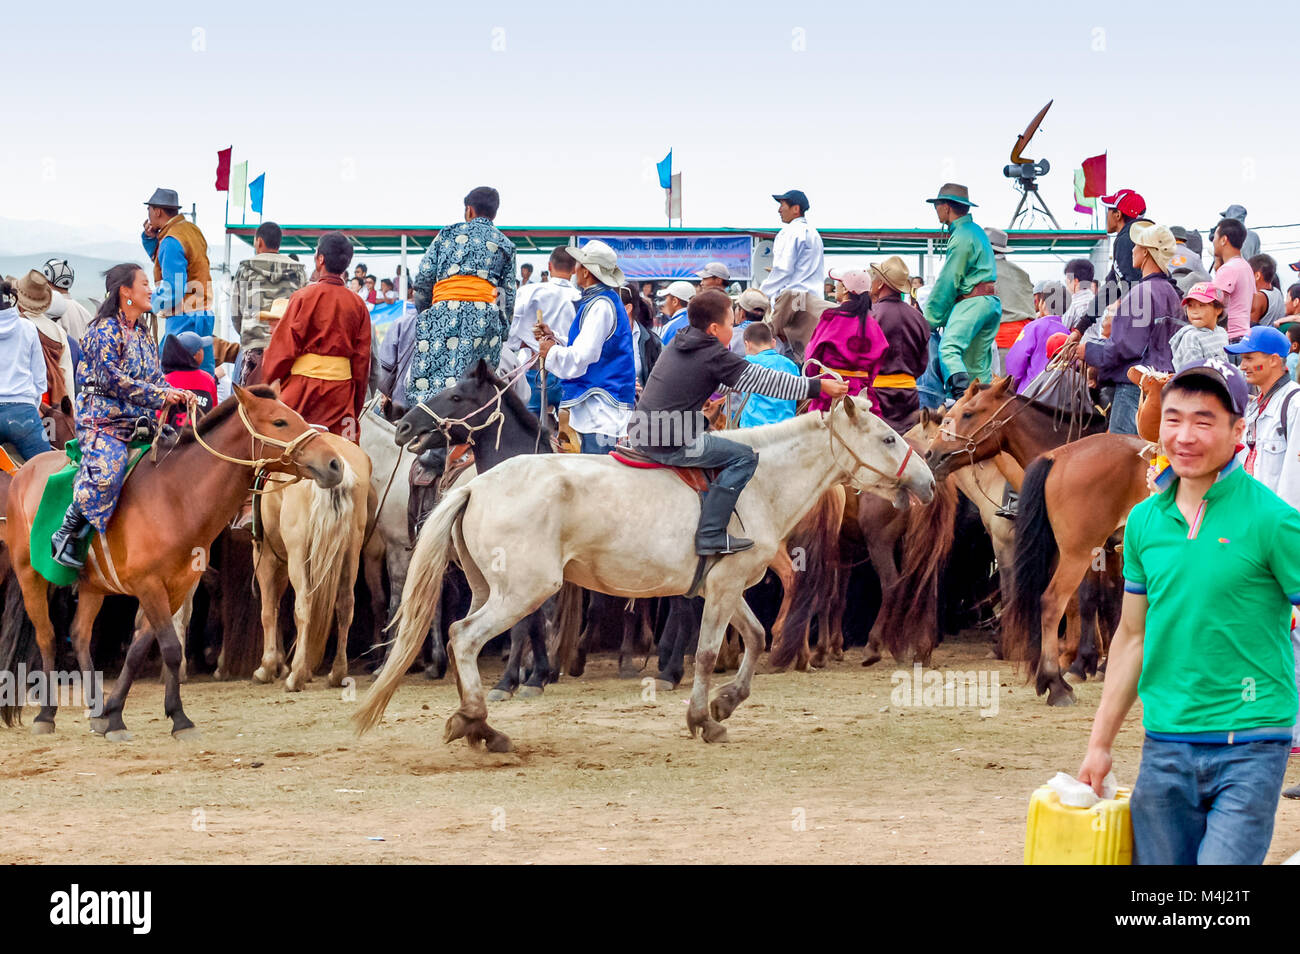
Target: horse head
(274,426)
(877,458)
(453,414)
(971,430)
(1150,383)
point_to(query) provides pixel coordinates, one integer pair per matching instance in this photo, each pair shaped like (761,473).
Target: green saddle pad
(55,501)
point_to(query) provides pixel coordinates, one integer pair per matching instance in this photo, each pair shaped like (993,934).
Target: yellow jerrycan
(1059,834)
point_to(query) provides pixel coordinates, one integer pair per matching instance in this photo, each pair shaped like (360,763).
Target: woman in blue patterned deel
(118,381)
(467,279)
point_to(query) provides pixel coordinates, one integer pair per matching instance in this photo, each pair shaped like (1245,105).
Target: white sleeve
(521,325)
(1288,481)
(570,361)
(783,257)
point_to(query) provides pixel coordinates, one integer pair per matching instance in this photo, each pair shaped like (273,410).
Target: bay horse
(311,537)
(169,513)
(1075,496)
(627,532)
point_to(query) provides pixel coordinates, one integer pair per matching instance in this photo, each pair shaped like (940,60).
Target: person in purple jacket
(1144,321)
(1027,358)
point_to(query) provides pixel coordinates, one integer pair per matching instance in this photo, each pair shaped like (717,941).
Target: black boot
(957,385)
(715,513)
(68,538)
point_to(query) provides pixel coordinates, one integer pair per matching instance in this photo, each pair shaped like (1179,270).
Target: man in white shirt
(798,271)
(675,298)
(1078,281)
(547,303)
(596,367)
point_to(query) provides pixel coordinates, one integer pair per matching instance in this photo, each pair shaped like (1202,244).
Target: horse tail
(420,599)
(329,535)
(814,543)
(568,626)
(1022,630)
(17,645)
(926,543)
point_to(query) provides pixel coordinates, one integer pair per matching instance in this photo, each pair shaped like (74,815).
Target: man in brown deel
(320,350)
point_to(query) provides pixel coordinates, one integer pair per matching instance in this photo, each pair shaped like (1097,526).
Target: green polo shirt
(1217,654)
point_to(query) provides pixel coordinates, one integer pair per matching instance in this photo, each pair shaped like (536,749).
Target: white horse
(523,528)
(391,529)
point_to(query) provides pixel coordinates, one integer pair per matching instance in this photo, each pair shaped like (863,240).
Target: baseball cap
(1207,292)
(856,280)
(1127,201)
(1055,343)
(1263,339)
(1295,266)
(753,300)
(683,291)
(794,197)
(715,270)
(1229,378)
(192,341)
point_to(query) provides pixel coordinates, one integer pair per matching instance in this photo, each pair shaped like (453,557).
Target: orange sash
(464,288)
(895,381)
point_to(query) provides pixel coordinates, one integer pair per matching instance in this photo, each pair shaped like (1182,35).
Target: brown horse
(167,518)
(1073,498)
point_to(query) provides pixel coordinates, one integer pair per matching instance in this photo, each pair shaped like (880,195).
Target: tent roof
(387,239)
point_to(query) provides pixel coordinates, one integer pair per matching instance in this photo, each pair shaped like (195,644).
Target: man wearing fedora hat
(597,367)
(1144,321)
(34,299)
(798,268)
(964,302)
(908,335)
(182,294)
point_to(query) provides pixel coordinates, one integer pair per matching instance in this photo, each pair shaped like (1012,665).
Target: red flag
(1094,176)
(223,169)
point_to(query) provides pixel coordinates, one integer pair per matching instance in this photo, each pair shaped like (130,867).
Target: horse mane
(214,418)
(766,435)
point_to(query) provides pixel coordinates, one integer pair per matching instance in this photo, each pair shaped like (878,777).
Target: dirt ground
(821,767)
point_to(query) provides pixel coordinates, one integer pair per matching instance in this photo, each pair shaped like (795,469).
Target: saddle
(697,478)
(429,480)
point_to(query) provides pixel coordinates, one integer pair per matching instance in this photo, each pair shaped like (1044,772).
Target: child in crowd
(1202,339)
(1027,357)
(759,350)
(1293,359)
(182,360)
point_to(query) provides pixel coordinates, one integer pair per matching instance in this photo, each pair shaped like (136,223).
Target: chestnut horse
(1074,497)
(169,513)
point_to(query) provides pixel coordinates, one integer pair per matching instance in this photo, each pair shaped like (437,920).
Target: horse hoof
(499,742)
(291,684)
(261,675)
(1059,696)
(433,672)
(99,725)
(219,676)
(118,735)
(628,670)
(498,695)
(724,703)
(335,680)
(663,685)
(42,728)
(192,734)
(714,731)
(530,692)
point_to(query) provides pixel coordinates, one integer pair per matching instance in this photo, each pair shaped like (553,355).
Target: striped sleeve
(770,382)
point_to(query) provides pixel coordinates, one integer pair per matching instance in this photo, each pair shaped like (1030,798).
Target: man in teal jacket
(964,302)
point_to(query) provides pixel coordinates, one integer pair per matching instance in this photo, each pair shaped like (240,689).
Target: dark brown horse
(1075,495)
(167,518)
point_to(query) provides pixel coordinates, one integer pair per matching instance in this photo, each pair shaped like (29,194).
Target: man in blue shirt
(675,299)
(759,408)
(182,295)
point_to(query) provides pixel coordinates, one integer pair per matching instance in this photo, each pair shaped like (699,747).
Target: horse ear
(973,388)
(849,408)
(482,373)
(1001,384)
(275,390)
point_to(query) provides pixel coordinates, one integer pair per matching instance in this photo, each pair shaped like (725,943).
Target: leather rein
(288,449)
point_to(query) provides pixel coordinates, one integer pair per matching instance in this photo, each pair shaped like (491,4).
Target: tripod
(1029,198)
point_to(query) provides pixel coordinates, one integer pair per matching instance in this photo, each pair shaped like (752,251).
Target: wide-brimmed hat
(893,272)
(600,260)
(34,292)
(998,239)
(953,192)
(682,291)
(1157,239)
(753,300)
(276,312)
(164,198)
(855,280)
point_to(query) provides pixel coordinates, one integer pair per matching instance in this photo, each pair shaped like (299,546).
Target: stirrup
(730,545)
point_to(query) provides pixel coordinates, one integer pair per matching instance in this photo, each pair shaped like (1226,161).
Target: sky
(390,114)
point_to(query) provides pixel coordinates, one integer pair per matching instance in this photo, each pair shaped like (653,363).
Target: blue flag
(666,171)
(255,191)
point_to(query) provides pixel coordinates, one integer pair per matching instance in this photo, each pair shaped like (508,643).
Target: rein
(288,454)
(497,417)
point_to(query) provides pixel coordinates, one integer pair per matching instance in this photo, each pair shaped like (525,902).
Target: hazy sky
(389,113)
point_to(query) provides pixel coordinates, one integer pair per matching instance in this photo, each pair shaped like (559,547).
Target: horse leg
(343,613)
(1084,663)
(540,676)
(300,667)
(719,607)
(672,647)
(1073,628)
(36,600)
(1065,581)
(880,551)
(373,567)
(728,697)
(272,578)
(627,667)
(509,681)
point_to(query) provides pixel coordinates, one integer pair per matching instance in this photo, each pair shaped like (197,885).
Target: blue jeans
(1206,804)
(1124,408)
(597,443)
(20,425)
(553,395)
(736,463)
(929,387)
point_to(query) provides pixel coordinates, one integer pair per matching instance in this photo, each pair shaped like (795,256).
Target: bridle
(972,441)
(497,417)
(288,449)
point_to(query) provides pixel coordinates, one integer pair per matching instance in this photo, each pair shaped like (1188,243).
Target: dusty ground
(599,774)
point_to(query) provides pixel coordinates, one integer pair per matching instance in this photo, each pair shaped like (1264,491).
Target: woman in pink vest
(847,339)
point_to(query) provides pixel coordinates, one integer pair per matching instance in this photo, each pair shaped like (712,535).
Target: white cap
(715,270)
(682,291)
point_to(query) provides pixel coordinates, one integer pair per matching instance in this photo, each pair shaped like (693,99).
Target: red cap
(1127,201)
(1055,343)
